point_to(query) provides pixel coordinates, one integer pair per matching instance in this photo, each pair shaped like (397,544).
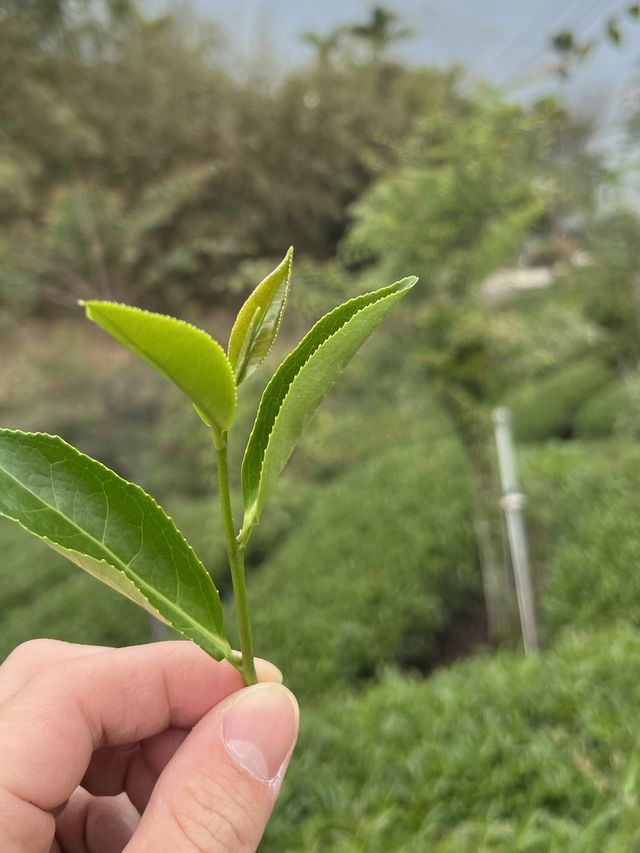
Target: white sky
(502,41)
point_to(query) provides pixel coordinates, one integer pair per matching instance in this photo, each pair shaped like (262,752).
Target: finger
(217,792)
(156,753)
(50,727)
(135,770)
(98,824)
(34,656)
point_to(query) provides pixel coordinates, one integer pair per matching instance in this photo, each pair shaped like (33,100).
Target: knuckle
(26,652)
(23,826)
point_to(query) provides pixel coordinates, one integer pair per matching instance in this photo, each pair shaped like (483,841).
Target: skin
(153,747)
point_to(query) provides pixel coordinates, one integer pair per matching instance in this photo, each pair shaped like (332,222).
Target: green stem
(236,562)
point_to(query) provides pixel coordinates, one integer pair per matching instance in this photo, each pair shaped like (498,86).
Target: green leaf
(111,529)
(299,384)
(181,352)
(258,321)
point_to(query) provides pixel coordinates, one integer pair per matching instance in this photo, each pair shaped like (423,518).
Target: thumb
(218,790)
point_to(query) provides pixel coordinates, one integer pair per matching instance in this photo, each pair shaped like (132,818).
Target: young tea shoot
(119,534)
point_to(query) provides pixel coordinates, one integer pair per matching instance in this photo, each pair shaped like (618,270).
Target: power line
(594,6)
(507,50)
(532,28)
(598,20)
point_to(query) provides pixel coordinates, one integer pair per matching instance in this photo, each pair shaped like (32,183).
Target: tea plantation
(361,573)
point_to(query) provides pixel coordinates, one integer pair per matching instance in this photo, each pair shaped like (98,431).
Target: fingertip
(267,671)
(259,728)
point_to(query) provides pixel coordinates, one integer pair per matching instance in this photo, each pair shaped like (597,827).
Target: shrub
(499,754)
(42,595)
(546,408)
(202,527)
(20,275)
(582,509)
(593,573)
(380,565)
(107,406)
(613,410)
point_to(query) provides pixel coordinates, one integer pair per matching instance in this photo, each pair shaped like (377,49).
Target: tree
(114,108)
(571,51)
(325,46)
(381,31)
(93,244)
(608,287)
(467,194)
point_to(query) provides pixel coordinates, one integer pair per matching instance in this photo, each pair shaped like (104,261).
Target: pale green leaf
(299,384)
(181,352)
(258,321)
(111,529)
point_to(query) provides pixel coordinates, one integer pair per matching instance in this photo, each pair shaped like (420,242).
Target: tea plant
(115,531)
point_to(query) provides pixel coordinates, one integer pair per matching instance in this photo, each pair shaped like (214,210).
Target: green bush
(593,574)
(546,408)
(613,410)
(43,595)
(582,514)
(21,272)
(202,527)
(496,754)
(111,408)
(377,569)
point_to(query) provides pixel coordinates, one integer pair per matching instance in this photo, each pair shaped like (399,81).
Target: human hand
(91,738)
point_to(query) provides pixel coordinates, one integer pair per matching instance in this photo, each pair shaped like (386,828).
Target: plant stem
(236,562)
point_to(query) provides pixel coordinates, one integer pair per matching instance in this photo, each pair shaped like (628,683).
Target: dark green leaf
(299,384)
(111,529)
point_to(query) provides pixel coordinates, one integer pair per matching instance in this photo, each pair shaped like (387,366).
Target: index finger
(50,727)
(32,657)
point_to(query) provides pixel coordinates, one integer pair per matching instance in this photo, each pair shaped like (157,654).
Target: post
(492,583)
(512,503)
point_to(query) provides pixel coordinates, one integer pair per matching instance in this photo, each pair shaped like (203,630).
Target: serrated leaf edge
(287,287)
(410,282)
(225,648)
(86,304)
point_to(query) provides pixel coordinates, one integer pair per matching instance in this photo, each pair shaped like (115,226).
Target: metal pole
(512,503)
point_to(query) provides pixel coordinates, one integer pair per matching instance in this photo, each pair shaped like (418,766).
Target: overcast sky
(502,41)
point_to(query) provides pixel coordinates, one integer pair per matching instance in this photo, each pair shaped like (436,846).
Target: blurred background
(166,154)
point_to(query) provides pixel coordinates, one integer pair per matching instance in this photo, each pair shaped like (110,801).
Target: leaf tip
(408,282)
(287,261)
